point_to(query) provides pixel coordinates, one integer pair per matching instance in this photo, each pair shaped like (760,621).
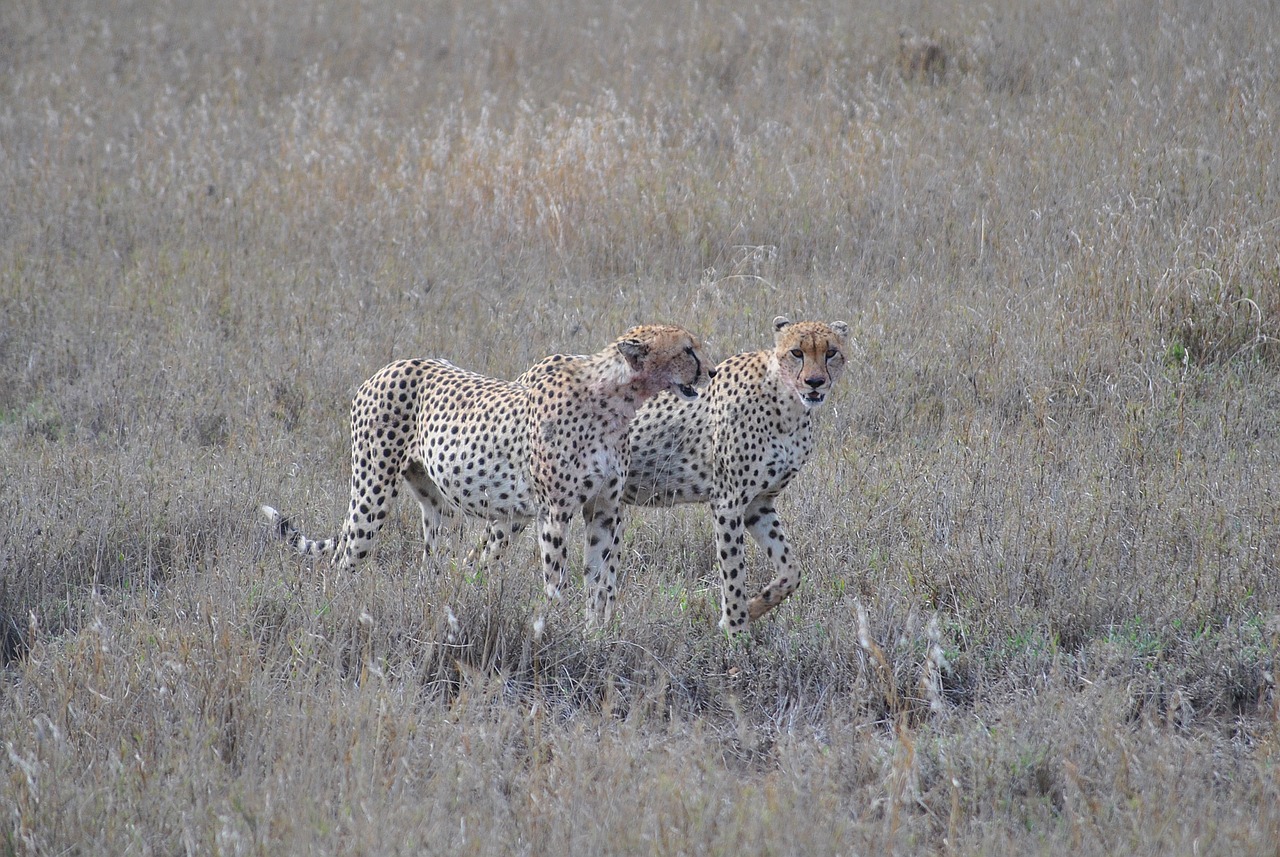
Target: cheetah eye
(797,353)
(831,352)
(688,349)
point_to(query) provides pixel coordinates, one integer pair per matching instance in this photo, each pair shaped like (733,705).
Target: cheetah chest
(576,457)
(774,458)
(788,455)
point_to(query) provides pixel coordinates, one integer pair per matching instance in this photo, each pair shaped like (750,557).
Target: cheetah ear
(634,350)
(780,324)
(840,327)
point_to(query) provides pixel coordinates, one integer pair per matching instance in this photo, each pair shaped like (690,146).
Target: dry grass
(1042,604)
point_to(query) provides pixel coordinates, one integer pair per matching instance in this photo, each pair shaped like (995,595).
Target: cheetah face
(668,358)
(810,356)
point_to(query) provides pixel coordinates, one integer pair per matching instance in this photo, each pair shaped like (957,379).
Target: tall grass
(1039,539)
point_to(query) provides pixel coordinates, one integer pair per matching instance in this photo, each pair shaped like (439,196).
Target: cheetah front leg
(553,526)
(730,545)
(601,516)
(765,527)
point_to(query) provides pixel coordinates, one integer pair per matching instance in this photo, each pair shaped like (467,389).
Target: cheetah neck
(610,378)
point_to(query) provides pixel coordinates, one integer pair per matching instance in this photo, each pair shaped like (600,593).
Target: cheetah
(508,452)
(736,448)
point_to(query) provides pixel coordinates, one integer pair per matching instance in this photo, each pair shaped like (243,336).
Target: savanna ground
(1041,604)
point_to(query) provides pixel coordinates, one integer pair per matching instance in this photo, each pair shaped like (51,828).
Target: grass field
(1040,537)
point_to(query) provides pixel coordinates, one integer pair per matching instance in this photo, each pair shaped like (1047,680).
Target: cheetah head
(810,356)
(665,358)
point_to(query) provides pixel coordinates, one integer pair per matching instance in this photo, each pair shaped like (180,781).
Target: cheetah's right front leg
(731,548)
(601,515)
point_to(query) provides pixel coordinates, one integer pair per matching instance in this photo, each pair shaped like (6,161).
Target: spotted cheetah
(508,452)
(736,447)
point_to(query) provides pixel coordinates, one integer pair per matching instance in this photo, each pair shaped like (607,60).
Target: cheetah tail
(294,538)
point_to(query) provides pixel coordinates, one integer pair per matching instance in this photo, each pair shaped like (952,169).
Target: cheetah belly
(662,476)
(481,479)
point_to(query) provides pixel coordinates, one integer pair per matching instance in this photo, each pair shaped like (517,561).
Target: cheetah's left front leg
(765,527)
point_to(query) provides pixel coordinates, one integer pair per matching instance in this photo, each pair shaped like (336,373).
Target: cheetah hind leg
(497,538)
(434,510)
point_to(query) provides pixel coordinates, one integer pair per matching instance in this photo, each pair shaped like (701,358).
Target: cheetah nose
(816,382)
